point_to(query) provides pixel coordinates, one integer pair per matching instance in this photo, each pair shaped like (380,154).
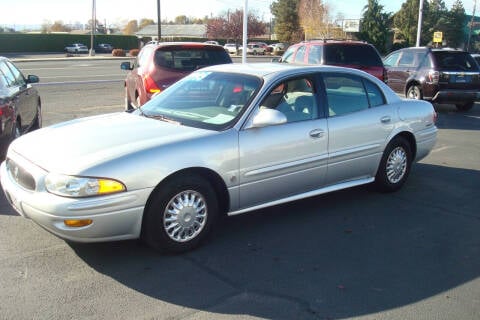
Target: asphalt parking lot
(353,254)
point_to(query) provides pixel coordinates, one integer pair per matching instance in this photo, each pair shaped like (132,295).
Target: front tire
(394,166)
(180,214)
(37,123)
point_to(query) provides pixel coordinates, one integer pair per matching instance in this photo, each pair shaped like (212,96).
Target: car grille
(20,175)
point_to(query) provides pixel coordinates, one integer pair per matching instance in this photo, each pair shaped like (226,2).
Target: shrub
(133,52)
(118,53)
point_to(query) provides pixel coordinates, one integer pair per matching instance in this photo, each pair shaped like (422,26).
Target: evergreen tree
(455,32)
(375,25)
(287,25)
(406,21)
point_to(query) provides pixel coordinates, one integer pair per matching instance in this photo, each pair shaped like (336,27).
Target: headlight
(71,186)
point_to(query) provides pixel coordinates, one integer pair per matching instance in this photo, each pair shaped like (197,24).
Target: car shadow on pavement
(349,253)
(450,118)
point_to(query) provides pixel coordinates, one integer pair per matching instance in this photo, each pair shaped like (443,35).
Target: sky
(36,12)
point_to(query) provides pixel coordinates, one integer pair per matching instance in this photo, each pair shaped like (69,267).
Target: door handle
(317,133)
(385,119)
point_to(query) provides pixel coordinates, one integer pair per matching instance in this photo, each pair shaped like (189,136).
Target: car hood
(74,146)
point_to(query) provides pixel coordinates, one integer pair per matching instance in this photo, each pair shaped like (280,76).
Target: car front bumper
(114,217)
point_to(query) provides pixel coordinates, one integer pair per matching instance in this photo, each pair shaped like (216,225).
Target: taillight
(150,85)
(433,76)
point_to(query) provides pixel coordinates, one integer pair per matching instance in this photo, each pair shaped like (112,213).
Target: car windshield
(189,59)
(203,99)
(454,61)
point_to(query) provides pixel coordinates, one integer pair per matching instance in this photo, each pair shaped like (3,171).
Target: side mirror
(32,79)
(268,117)
(126,66)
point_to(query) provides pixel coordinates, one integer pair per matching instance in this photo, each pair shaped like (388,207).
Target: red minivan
(343,53)
(159,65)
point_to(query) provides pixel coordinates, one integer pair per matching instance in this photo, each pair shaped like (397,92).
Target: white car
(254,49)
(76,48)
(231,48)
(224,140)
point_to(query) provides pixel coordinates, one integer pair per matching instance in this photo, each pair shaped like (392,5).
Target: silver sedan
(226,139)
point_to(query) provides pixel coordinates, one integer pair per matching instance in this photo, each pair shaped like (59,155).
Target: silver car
(226,139)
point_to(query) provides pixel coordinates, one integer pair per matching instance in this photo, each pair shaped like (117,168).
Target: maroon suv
(344,53)
(160,65)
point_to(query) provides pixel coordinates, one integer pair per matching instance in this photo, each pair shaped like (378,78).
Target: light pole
(471,25)
(93,26)
(159,32)
(419,27)
(245,31)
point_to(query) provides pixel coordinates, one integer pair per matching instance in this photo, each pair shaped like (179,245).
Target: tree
(58,26)
(286,20)
(145,22)
(131,27)
(455,25)
(375,25)
(406,21)
(230,26)
(313,17)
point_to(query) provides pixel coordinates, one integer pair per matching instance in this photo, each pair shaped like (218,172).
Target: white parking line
(440,149)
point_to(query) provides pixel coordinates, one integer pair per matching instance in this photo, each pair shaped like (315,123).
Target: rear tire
(180,214)
(414,92)
(465,107)
(394,166)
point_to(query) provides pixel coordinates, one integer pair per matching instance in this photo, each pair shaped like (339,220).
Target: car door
(25,97)
(359,123)
(280,161)
(394,72)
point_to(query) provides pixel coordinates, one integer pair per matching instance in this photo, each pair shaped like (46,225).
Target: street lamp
(159,34)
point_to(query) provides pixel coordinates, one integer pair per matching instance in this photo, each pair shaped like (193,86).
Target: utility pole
(419,27)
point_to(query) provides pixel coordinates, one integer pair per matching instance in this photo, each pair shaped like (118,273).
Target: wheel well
(411,141)
(210,176)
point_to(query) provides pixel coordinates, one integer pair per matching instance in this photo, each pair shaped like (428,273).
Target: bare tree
(313,16)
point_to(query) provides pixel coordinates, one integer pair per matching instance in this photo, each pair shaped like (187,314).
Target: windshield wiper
(161,118)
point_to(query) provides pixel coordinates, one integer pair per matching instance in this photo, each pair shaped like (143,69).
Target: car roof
(265,69)
(185,43)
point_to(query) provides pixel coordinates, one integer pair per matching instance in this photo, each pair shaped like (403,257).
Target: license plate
(461,79)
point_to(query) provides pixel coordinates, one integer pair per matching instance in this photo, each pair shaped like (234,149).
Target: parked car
(254,49)
(212,42)
(20,105)
(224,140)
(277,48)
(231,48)
(437,75)
(104,48)
(344,53)
(160,65)
(76,48)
